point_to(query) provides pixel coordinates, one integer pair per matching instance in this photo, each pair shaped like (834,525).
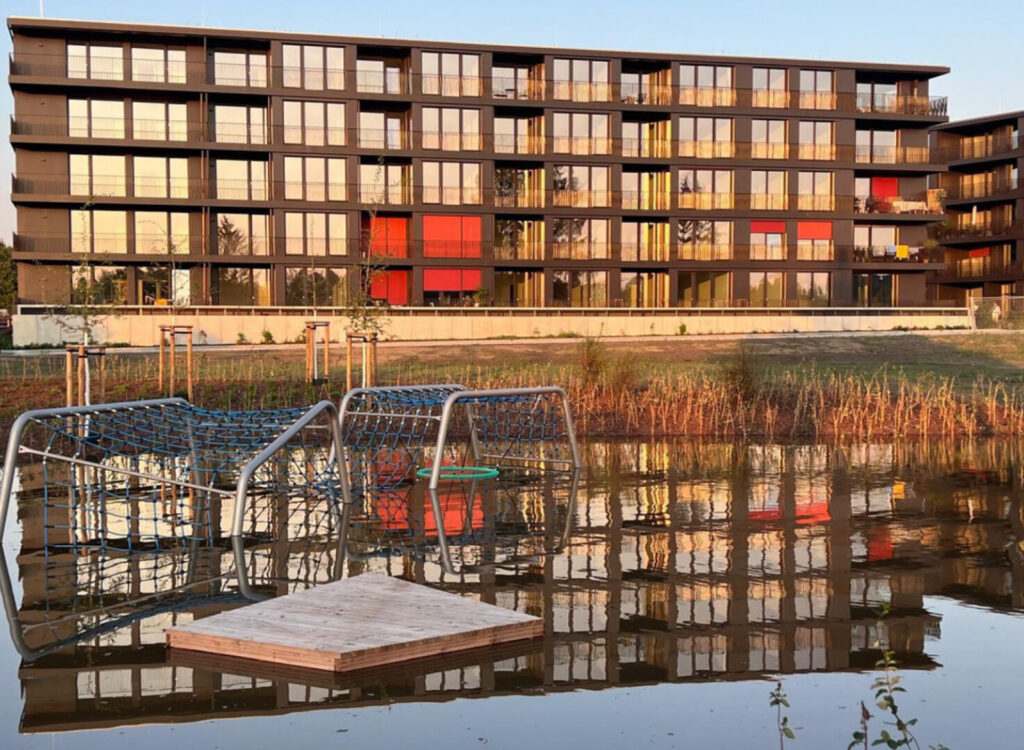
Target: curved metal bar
(25,418)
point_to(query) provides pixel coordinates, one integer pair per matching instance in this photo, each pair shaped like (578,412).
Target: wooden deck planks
(358,623)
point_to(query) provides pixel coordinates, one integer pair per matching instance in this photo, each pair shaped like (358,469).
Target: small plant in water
(778,701)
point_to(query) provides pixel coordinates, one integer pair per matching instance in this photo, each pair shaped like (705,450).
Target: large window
(705,289)
(769,87)
(816,140)
(517,81)
(96,175)
(705,188)
(310,66)
(385,183)
(452,236)
(315,233)
(646,191)
(768,190)
(519,135)
(581,186)
(874,289)
(580,288)
(700,239)
(238,179)
(158,65)
(312,287)
(314,123)
(382,76)
(521,188)
(875,243)
(160,177)
(383,130)
(878,97)
(581,133)
(241,287)
(451,74)
(96,61)
(706,85)
(642,139)
(519,239)
(451,128)
(644,288)
(162,233)
(705,137)
(815,191)
(767,288)
(240,69)
(581,80)
(451,182)
(768,139)
(767,240)
(242,234)
(162,121)
(98,285)
(96,118)
(240,124)
(878,146)
(813,288)
(644,241)
(817,89)
(814,240)
(581,239)
(313,178)
(99,232)
(163,284)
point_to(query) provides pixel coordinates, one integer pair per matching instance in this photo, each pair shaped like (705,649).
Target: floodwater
(676,587)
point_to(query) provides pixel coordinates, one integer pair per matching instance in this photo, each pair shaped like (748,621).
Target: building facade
(189,167)
(983,236)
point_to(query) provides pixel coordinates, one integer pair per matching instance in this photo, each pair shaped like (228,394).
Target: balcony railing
(383,140)
(978,148)
(505,143)
(581,91)
(761,251)
(707,96)
(769,201)
(769,98)
(927,106)
(581,198)
(531,89)
(890,254)
(891,204)
(58,66)
(892,154)
(985,188)
(101,186)
(706,201)
(815,251)
(581,250)
(108,128)
(456,196)
(709,251)
(645,201)
(527,251)
(632,252)
(707,149)
(762,150)
(979,230)
(448,85)
(564,144)
(646,147)
(451,141)
(969,268)
(816,151)
(645,93)
(520,199)
(817,100)
(382,82)
(814,202)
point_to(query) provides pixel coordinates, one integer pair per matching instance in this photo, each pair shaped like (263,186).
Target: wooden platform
(359,623)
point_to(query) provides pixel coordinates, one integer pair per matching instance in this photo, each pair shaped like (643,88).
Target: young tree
(8,278)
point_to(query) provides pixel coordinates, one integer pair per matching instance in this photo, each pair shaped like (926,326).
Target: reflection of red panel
(771,514)
(979,252)
(814,230)
(885,187)
(812,513)
(880,544)
(768,227)
(391,286)
(451,279)
(394,512)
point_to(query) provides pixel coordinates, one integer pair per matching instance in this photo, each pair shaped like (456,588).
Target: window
(878,97)
(383,130)
(644,288)
(700,239)
(874,289)
(814,240)
(96,61)
(705,188)
(767,240)
(769,87)
(240,69)
(816,141)
(451,129)
(451,182)
(767,288)
(385,236)
(519,135)
(519,239)
(646,139)
(315,233)
(312,287)
(705,289)
(242,180)
(162,233)
(815,191)
(452,236)
(241,287)
(99,232)
(312,178)
(813,289)
(768,139)
(580,288)
(649,191)
(705,137)
(517,82)
(880,147)
(95,175)
(160,121)
(817,90)
(644,241)
(314,123)
(451,74)
(160,177)
(95,118)
(581,186)
(158,65)
(242,234)
(581,133)
(379,76)
(581,80)
(312,67)
(518,187)
(706,85)
(452,286)
(581,239)
(518,289)
(874,243)
(163,284)
(768,190)
(653,87)
(384,183)
(98,285)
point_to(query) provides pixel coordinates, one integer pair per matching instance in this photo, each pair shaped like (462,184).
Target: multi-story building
(983,235)
(164,165)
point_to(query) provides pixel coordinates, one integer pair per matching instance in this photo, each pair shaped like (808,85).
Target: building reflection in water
(677,561)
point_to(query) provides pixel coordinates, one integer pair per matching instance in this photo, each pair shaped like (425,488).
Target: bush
(268,337)
(742,372)
(593,359)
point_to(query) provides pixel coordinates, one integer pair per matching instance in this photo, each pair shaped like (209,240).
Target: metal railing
(893,204)
(981,230)
(969,268)
(532,88)
(892,154)
(890,254)
(988,186)
(927,106)
(646,201)
(518,144)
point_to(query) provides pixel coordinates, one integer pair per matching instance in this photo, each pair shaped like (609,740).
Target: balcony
(451,141)
(632,252)
(391,81)
(892,155)
(763,150)
(581,145)
(509,87)
(706,201)
(816,151)
(520,199)
(761,251)
(974,268)
(383,140)
(580,250)
(707,149)
(978,148)
(58,67)
(527,251)
(569,198)
(108,128)
(925,106)
(707,96)
(891,204)
(113,187)
(575,91)
(644,201)
(968,231)
(817,100)
(451,85)
(456,196)
(505,143)
(769,98)
(645,93)
(814,202)
(815,252)
(769,201)
(646,148)
(705,251)
(890,254)
(979,189)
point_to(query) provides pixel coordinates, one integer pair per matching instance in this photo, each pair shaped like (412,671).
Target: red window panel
(814,230)
(391,286)
(768,227)
(979,252)
(451,279)
(388,236)
(452,236)
(885,187)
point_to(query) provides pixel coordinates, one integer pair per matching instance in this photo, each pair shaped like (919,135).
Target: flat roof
(59,24)
(983,120)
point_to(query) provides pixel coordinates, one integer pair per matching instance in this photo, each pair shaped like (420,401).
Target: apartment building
(983,235)
(175,166)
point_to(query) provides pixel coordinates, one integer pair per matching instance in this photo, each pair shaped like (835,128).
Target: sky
(979,39)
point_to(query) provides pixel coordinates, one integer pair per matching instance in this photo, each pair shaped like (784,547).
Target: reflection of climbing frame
(368,355)
(76,362)
(168,357)
(312,368)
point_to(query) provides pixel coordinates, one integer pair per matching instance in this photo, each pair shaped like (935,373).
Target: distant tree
(8,278)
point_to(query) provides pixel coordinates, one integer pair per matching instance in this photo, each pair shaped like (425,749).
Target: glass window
(242,234)
(98,285)
(162,233)
(239,124)
(241,287)
(769,87)
(767,288)
(314,123)
(158,65)
(96,61)
(98,232)
(96,118)
(313,178)
(312,287)
(97,175)
(237,179)
(580,288)
(451,129)
(313,67)
(315,233)
(160,177)
(581,80)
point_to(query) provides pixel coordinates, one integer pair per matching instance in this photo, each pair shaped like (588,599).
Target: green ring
(460,472)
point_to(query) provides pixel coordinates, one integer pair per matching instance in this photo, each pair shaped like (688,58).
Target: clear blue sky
(978,39)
